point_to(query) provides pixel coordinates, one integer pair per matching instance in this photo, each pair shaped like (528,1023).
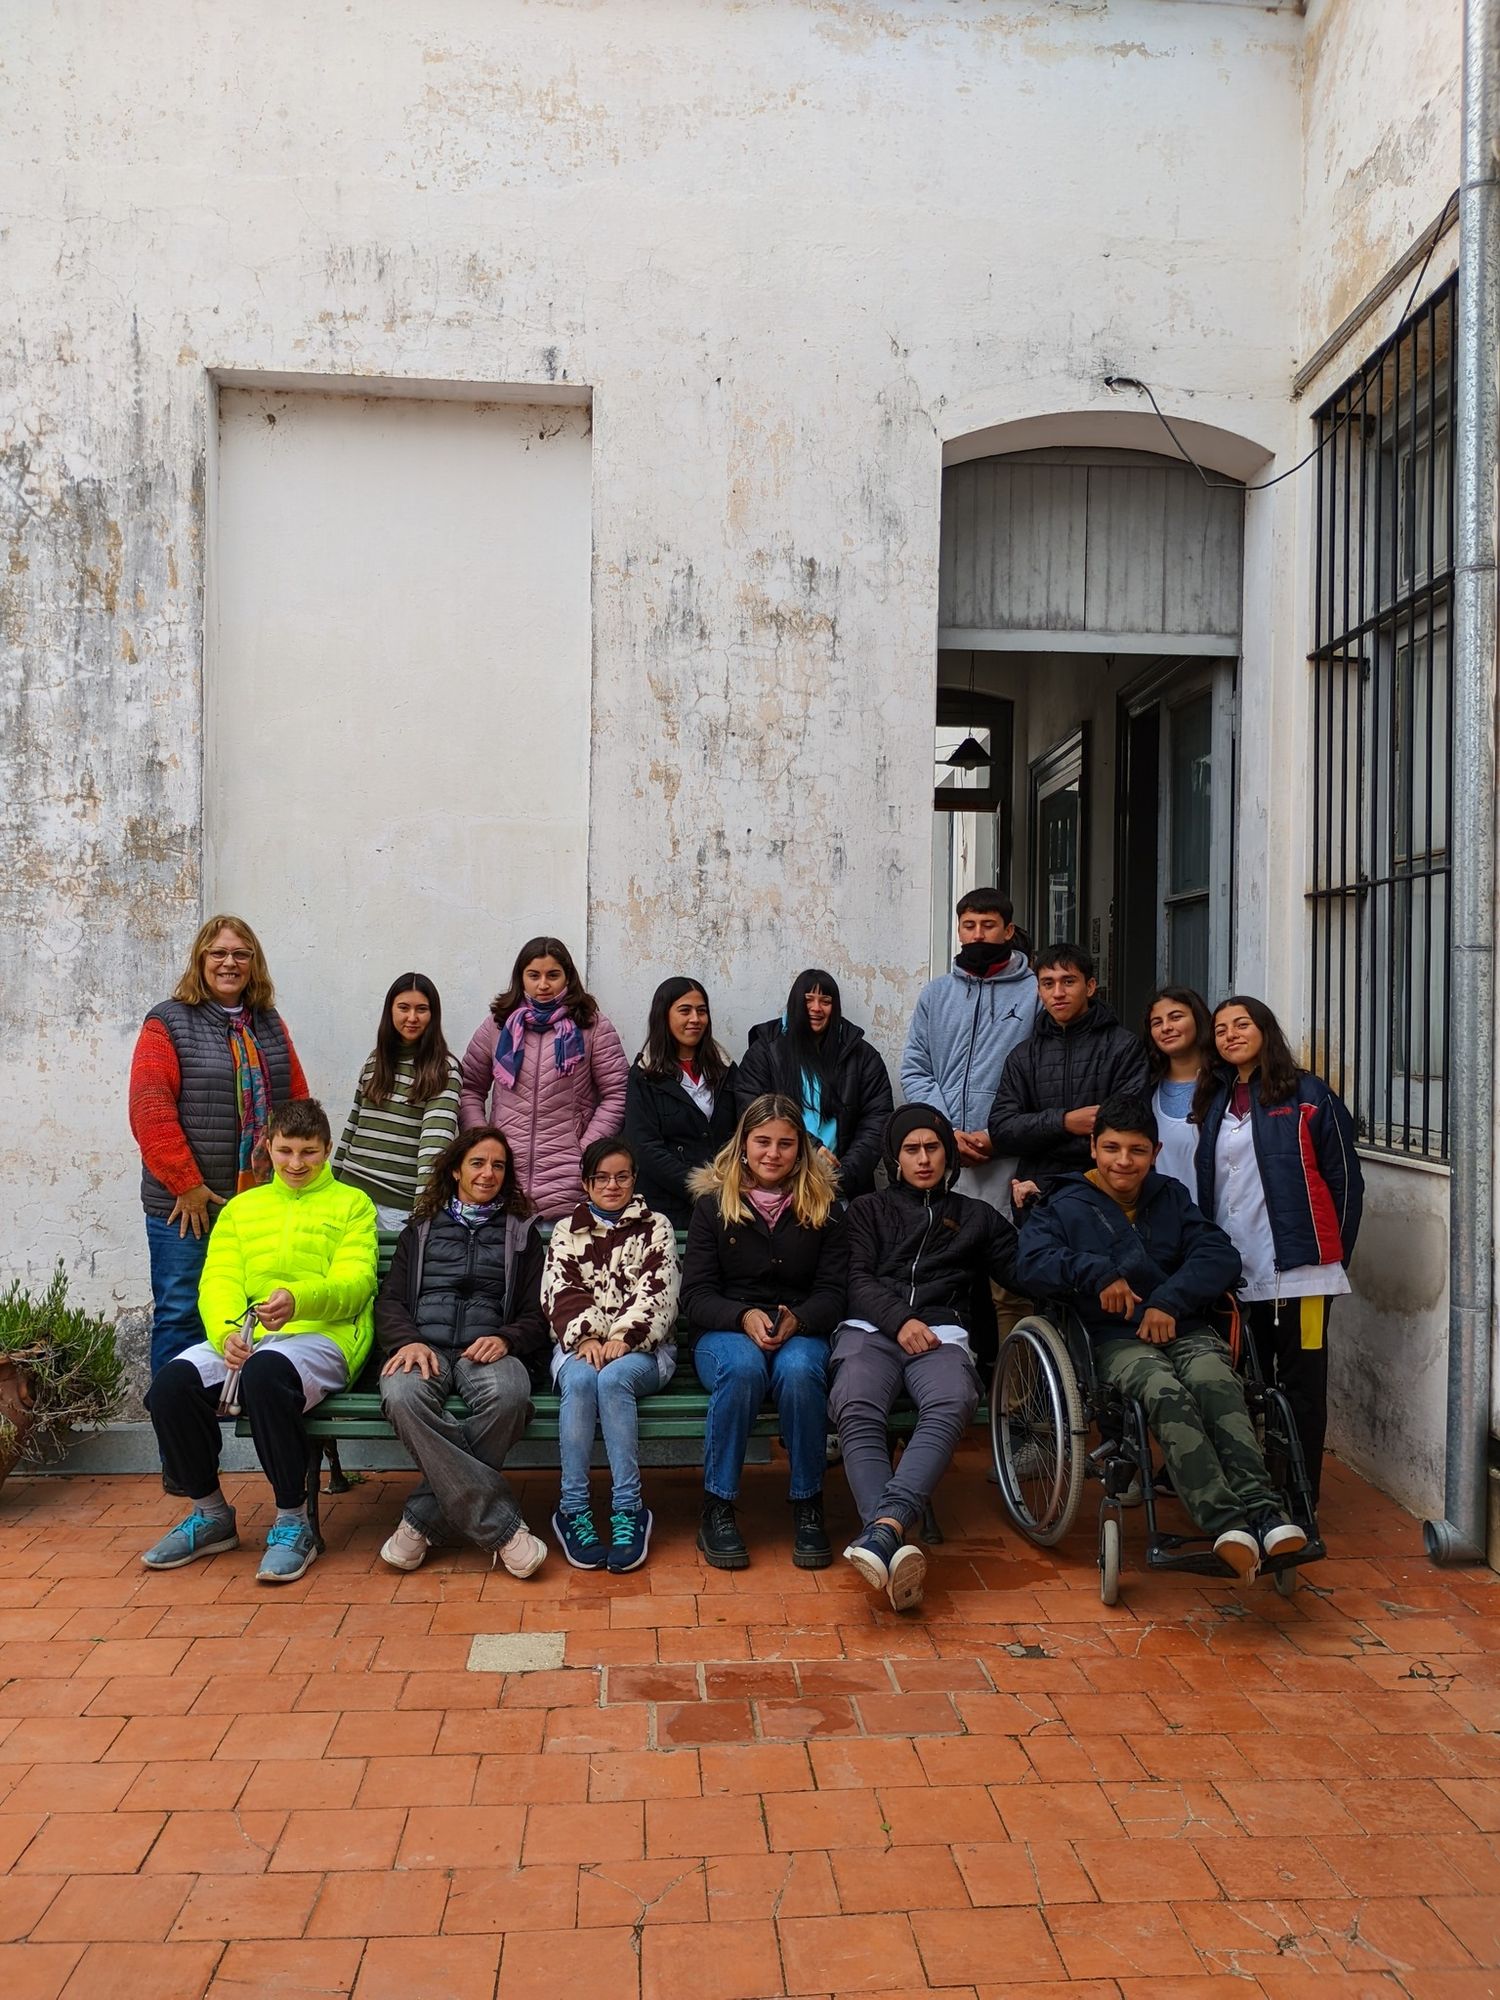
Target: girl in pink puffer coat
(550,1071)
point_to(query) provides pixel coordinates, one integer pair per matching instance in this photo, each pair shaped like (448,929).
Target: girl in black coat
(824,1064)
(762,1289)
(680,1103)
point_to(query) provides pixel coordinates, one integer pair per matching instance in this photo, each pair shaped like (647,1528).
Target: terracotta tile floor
(739,1786)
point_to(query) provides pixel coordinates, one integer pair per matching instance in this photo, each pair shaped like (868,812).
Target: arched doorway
(1089,636)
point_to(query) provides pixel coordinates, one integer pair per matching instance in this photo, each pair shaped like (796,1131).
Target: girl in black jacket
(460,1313)
(826,1067)
(763,1288)
(680,1103)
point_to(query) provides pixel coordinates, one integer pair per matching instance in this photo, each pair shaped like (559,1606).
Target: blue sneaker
(629,1539)
(290,1552)
(579,1539)
(199,1535)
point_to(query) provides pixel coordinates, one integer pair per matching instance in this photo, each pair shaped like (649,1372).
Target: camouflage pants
(1196,1409)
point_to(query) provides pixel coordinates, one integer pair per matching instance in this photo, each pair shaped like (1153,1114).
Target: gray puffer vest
(207,1105)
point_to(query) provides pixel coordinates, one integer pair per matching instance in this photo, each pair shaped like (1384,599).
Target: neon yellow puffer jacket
(318,1242)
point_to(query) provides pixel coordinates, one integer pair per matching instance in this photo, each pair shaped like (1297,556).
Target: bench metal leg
(314,1489)
(338,1480)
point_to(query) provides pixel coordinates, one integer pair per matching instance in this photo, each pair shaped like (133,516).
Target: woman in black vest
(210,1066)
(680,1103)
(460,1314)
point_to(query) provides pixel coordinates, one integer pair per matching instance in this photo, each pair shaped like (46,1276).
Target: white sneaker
(908,1573)
(407,1548)
(1239,1548)
(524,1554)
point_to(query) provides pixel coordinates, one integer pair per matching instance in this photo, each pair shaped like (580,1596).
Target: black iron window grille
(1380,889)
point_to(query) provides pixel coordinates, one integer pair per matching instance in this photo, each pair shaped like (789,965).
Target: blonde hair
(191,988)
(812,1181)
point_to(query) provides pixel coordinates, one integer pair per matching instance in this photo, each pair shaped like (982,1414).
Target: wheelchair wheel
(1038,1431)
(1109,1558)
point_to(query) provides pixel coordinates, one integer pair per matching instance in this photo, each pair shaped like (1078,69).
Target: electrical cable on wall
(1233,485)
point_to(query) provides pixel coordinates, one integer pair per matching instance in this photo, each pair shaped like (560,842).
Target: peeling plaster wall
(1381,119)
(791,247)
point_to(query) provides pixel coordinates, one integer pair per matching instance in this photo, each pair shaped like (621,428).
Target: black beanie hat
(919,1118)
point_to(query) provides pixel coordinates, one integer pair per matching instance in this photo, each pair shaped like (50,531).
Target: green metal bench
(676,1414)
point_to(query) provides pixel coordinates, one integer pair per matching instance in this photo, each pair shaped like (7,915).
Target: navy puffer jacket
(1078,1240)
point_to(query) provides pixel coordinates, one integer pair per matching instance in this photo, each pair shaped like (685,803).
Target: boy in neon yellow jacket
(286,1298)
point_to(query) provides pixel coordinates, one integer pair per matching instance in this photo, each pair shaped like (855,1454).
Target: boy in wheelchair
(1142,1268)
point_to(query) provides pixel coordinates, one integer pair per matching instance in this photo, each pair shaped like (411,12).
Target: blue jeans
(176,1266)
(608,1396)
(737,1375)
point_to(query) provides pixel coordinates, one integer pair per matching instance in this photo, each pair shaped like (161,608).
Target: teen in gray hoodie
(966,1023)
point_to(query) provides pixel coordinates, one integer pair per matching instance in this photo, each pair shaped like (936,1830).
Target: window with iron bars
(1380,889)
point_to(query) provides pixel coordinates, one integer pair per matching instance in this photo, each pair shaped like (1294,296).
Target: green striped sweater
(387,1150)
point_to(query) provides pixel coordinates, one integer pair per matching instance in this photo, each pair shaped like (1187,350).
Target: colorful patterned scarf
(253,1091)
(568,1048)
(472,1214)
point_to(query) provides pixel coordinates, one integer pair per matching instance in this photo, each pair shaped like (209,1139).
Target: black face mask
(981,957)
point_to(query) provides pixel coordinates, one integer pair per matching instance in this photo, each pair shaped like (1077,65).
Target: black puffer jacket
(916,1255)
(728,1267)
(861,1084)
(1059,1070)
(208,1106)
(672,1138)
(449,1285)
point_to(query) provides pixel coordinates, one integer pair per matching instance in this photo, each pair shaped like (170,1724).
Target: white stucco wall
(397,698)
(792,249)
(1381,121)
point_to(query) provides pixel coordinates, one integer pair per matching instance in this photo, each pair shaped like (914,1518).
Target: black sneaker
(579,1539)
(810,1548)
(1277,1535)
(719,1536)
(629,1539)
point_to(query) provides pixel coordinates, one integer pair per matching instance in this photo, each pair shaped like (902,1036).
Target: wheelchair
(1046,1404)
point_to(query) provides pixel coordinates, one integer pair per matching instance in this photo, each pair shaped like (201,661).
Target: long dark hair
(1279,1072)
(442,1182)
(1197,1006)
(816,1054)
(659,1056)
(582,1006)
(430,1054)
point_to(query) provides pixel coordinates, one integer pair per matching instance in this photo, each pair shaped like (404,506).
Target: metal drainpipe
(1463,1535)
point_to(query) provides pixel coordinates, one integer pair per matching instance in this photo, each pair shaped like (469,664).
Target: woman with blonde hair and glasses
(210,1066)
(763,1281)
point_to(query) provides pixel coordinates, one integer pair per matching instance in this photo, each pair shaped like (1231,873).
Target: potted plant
(59,1369)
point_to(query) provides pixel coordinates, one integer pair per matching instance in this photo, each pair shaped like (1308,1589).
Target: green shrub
(69,1357)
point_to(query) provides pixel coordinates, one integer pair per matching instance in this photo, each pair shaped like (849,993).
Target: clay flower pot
(17,1413)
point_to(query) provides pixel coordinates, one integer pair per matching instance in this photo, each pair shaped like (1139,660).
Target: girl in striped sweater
(406,1107)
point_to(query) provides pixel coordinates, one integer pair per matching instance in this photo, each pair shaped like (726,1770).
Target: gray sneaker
(290,1553)
(199,1535)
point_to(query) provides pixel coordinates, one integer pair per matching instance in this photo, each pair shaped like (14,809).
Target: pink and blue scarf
(568,1048)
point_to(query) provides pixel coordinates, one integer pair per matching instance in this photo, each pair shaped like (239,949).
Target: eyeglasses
(612,1180)
(231,957)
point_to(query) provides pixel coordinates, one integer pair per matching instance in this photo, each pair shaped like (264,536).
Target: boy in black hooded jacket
(916,1253)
